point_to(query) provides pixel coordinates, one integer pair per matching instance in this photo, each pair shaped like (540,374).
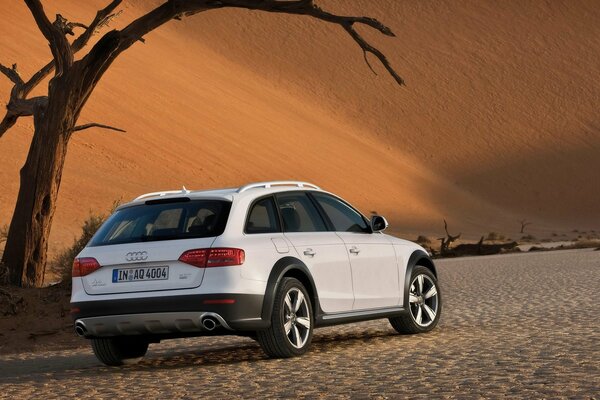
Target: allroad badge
(136,256)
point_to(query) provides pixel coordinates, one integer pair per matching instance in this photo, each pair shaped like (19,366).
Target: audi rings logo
(136,256)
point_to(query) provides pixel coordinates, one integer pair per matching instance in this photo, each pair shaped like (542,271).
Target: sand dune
(498,120)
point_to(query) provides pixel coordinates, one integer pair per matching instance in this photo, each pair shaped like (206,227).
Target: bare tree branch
(12,74)
(7,122)
(366,47)
(450,237)
(448,240)
(307,7)
(103,17)
(22,89)
(176,9)
(55,34)
(96,125)
(67,27)
(26,107)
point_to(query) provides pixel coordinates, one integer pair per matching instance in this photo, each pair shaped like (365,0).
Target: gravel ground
(518,325)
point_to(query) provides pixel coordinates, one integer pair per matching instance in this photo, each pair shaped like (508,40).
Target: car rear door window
(343,217)
(299,213)
(263,217)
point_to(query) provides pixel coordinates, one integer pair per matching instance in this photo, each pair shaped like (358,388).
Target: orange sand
(498,122)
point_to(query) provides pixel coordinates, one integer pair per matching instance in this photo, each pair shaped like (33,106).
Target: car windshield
(164,220)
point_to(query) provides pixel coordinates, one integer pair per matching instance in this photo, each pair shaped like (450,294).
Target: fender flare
(418,257)
(282,267)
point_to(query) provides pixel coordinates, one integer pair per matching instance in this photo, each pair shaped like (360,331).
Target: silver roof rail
(267,185)
(161,194)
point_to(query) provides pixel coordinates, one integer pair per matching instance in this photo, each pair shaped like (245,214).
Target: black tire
(409,322)
(115,351)
(275,341)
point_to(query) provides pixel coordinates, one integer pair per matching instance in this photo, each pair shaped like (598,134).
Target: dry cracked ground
(520,325)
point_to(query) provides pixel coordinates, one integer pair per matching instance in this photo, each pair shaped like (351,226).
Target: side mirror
(378,223)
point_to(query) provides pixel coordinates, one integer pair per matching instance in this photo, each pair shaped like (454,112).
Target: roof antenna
(184,190)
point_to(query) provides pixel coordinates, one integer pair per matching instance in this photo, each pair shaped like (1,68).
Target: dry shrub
(495,236)
(62,263)
(3,237)
(3,233)
(423,240)
(528,238)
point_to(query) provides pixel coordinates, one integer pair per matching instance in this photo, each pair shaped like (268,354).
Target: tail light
(223,257)
(217,257)
(84,266)
(197,257)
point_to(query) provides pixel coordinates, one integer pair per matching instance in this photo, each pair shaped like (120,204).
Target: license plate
(140,274)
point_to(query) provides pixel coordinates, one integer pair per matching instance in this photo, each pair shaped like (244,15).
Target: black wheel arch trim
(418,257)
(279,270)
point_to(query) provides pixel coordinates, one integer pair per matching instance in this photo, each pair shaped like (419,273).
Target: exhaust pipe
(209,323)
(80,329)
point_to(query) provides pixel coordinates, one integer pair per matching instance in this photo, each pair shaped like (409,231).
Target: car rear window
(180,219)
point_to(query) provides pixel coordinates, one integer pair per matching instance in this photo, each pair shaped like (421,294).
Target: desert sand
(498,120)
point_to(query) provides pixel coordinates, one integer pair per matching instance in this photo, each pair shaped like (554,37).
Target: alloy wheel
(423,300)
(296,318)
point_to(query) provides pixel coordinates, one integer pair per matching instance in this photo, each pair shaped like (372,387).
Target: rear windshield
(183,219)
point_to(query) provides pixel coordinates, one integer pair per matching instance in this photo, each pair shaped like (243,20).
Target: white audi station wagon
(270,260)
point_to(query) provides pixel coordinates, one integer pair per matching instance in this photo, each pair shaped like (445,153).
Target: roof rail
(161,194)
(267,185)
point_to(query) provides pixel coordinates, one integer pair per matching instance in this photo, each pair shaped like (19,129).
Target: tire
(421,308)
(292,322)
(118,350)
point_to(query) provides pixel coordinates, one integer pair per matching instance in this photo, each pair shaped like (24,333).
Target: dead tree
(524,224)
(55,115)
(445,242)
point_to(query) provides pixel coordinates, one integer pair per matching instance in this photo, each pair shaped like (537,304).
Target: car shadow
(225,351)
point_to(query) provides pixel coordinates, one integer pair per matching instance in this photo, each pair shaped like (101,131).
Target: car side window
(263,217)
(343,217)
(299,213)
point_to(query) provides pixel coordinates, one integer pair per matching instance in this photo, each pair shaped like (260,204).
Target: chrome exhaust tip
(80,329)
(209,323)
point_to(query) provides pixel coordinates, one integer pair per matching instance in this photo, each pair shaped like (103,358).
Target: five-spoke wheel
(297,318)
(423,300)
(291,327)
(424,303)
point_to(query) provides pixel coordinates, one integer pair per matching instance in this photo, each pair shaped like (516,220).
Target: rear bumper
(169,314)
(154,324)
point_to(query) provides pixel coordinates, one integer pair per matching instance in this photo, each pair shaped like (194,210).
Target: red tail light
(84,266)
(218,257)
(197,257)
(222,257)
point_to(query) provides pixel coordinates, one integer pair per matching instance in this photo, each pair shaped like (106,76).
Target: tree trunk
(27,242)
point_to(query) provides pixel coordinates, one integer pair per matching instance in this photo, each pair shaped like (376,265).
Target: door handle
(310,252)
(354,250)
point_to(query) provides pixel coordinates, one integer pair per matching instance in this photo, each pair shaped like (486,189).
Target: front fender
(418,257)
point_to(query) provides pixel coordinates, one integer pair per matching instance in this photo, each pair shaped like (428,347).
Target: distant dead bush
(528,238)
(62,264)
(495,236)
(423,240)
